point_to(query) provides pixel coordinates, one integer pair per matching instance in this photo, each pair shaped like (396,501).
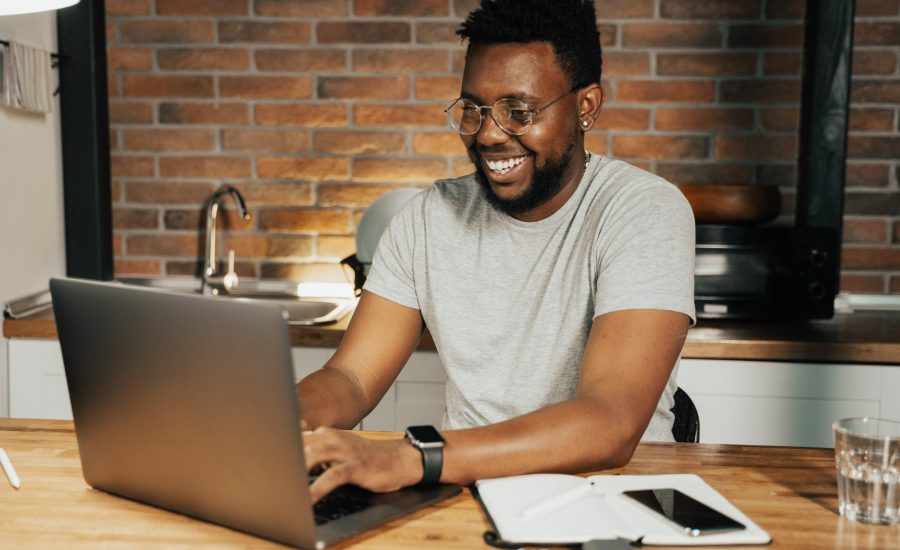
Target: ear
(590,100)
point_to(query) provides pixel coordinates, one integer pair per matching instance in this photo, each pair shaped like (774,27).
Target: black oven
(774,272)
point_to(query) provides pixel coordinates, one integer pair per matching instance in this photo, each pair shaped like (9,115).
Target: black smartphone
(692,516)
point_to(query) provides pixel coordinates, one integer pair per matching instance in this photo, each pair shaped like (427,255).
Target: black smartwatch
(431,445)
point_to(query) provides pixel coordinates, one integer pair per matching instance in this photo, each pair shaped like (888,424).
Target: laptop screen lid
(186,402)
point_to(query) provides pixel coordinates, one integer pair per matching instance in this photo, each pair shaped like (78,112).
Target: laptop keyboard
(341,502)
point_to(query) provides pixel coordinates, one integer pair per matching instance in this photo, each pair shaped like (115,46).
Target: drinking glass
(867,458)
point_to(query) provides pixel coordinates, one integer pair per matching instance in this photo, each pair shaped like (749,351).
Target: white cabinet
(37,380)
(773,403)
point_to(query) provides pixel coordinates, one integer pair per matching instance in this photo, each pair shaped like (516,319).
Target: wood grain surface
(789,492)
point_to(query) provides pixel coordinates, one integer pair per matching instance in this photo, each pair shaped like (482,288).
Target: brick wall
(312,108)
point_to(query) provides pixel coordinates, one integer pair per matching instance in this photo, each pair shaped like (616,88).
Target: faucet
(212,211)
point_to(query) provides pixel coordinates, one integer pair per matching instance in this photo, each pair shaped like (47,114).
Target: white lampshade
(13,7)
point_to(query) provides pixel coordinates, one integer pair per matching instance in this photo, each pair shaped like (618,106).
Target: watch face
(424,434)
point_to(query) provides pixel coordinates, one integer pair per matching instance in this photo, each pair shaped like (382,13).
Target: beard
(545,183)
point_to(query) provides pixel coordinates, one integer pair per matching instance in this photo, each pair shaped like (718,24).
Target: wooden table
(789,492)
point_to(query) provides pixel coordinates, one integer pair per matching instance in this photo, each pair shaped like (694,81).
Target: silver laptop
(187,402)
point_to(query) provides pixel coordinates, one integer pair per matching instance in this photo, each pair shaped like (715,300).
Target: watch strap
(432,464)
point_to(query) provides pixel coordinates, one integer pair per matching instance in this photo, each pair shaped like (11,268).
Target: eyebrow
(525,98)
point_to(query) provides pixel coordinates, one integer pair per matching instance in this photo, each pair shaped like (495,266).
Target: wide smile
(505,170)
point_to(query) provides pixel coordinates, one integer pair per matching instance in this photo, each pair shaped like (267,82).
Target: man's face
(547,160)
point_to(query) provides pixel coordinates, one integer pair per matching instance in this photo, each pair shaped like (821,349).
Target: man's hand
(379,466)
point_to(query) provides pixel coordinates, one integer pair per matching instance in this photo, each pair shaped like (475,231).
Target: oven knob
(817,258)
(816,291)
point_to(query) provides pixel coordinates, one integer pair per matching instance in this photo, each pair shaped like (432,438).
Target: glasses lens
(512,116)
(464,116)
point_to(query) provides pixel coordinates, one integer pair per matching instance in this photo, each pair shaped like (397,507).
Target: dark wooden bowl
(733,203)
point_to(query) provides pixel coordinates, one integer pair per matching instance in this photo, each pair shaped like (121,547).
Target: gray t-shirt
(510,303)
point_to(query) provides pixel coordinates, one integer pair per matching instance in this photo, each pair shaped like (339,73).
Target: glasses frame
(481,112)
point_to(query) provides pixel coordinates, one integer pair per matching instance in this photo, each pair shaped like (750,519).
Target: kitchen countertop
(859,337)
(790,492)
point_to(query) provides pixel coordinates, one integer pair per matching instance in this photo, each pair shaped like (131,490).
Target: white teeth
(504,166)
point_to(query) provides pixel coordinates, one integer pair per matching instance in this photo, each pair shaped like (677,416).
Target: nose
(490,132)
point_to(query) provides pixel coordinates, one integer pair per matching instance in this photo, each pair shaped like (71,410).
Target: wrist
(410,463)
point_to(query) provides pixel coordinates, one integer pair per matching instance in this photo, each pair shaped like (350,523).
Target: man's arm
(627,362)
(378,342)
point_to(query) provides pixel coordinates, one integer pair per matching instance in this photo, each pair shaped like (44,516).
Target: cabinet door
(37,380)
(769,403)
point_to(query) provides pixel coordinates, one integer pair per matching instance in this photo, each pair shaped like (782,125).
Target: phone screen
(694,517)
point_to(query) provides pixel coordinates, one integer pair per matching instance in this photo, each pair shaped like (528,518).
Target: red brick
(278,141)
(438,143)
(128,112)
(293,32)
(266,87)
(306,220)
(704,172)
(112,86)
(854,282)
(867,203)
(129,59)
(670,35)
(887,147)
(608,34)
(782,63)
(354,195)
(765,36)
(660,147)
(870,258)
(399,61)
(316,115)
(437,33)
(344,142)
(135,218)
(755,147)
(869,8)
(896,237)
(203,113)
(301,8)
(195,218)
(595,143)
(760,91)
(779,120)
(709,9)
(161,245)
(168,86)
(303,168)
(215,8)
(867,175)
(706,64)
(420,8)
(329,246)
(871,120)
(398,170)
(624,9)
(125,166)
(461,8)
(786,9)
(876,33)
(704,119)
(278,194)
(255,246)
(894,287)
(205,167)
(111,31)
(462,166)
(614,118)
(169,140)
(320,272)
(311,60)
(158,192)
(363,87)
(875,91)
(137,267)
(226,59)
(333,32)
(127,7)
(155,31)
(874,62)
(186,268)
(865,230)
(626,63)
(399,115)
(665,91)
(438,87)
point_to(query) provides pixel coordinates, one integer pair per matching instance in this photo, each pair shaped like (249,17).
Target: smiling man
(557,284)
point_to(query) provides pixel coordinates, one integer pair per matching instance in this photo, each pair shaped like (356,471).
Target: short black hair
(570,26)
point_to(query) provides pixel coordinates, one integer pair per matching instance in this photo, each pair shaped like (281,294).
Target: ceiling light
(13,7)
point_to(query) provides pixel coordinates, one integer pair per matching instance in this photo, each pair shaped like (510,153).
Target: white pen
(557,501)
(11,474)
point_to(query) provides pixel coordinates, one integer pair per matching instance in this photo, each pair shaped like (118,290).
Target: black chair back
(686,428)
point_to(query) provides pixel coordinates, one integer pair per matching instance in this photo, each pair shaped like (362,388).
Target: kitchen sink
(303,303)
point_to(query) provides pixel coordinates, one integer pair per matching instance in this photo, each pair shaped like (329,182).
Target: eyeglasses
(512,115)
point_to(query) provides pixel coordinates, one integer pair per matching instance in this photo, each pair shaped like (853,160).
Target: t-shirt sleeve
(645,258)
(392,274)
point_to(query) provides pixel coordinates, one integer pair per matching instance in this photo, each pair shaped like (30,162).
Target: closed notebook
(601,511)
